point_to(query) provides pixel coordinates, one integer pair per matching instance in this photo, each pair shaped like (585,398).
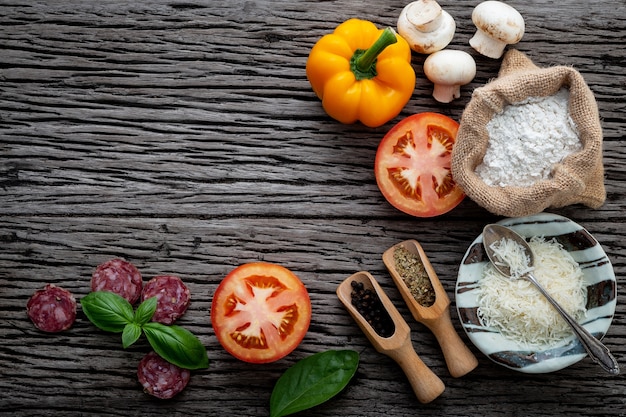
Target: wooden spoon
(426,385)
(458,357)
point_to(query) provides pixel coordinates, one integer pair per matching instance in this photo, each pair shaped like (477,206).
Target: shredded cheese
(508,253)
(518,310)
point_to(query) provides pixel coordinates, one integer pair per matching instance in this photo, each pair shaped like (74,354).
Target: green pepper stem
(363,62)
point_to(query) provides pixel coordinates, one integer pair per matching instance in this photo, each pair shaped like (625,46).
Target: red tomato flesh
(260,312)
(413,165)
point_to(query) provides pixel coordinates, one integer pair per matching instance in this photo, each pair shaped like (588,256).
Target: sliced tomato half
(260,312)
(413,165)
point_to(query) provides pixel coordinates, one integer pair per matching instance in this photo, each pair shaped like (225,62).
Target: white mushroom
(497,25)
(449,70)
(425,26)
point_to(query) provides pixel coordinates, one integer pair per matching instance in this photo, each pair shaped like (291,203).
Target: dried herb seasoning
(413,273)
(369,306)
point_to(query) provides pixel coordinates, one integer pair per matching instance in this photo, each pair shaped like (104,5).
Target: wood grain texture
(184,136)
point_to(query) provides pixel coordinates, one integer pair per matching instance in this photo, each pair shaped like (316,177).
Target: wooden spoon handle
(426,385)
(459,358)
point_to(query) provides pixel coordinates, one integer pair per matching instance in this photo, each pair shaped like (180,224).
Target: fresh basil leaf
(312,381)
(145,311)
(107,311)
(131,334)
(176,345)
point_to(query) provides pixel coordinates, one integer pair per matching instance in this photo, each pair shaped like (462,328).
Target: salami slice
(52,309)
(172,295)
(161,378)
(118,276)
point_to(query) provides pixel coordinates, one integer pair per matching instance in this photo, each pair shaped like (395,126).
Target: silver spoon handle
(596,350)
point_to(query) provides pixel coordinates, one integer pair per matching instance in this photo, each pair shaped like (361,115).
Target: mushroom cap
(450,67)
(499,21)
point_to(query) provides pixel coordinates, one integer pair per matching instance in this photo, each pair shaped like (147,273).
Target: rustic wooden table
(184,136)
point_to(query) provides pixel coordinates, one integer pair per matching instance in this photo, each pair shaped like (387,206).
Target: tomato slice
(260,312)
(413,165)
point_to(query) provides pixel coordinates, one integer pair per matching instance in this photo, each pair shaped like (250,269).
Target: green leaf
(131,334)
(107,311)
(176,345)
(145,311)
(312,381)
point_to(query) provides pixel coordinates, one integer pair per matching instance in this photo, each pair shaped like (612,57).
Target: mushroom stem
(486,45)
(446,93)
(425,26)
(497,25)
(449,70)
(425,15)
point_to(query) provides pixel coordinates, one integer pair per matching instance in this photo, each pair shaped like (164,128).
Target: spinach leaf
(107,311)
(176,345)
(312,381)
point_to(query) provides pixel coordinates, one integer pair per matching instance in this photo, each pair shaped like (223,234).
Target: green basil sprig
(113,313)
(312,381)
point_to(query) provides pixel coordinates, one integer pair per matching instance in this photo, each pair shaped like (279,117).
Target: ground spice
(411,269)
(371,308)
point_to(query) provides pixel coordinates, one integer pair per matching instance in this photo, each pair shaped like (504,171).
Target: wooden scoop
(458,357)
(426,385)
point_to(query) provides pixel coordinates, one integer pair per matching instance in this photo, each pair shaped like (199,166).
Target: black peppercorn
(371,308)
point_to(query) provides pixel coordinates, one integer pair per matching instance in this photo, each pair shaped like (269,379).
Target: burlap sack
(578,179)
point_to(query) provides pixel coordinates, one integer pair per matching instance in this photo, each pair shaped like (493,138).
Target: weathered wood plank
(185,137)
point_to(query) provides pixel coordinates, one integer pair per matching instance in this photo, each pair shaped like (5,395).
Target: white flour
(526,139)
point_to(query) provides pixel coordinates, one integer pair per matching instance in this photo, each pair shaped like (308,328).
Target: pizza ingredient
(413,165)
(361,73)
(527,139)
(426,26)
(449,70)
(497,25)
(112,313)
(367,303)
(516,307)
(107,311)
(118,276)
(132,331)
(260,312)
(177,345)
(160,378)
(52,309)
(509,253)
(313,381)
(173,297)
(413,273)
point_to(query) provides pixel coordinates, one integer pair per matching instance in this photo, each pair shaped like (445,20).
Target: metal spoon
(493,233)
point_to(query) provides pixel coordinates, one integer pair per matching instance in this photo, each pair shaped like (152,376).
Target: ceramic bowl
(599,278)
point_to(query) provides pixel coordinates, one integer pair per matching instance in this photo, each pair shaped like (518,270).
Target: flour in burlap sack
(578,178)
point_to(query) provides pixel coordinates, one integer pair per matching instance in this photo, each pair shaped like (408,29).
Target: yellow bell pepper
(361,73)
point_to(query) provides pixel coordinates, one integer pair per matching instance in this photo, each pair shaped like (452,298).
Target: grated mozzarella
(509,253)
(518,310)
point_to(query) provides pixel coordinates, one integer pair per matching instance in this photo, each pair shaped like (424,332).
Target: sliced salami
(52,309)
(172,295)
(118,276)
(161,378)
